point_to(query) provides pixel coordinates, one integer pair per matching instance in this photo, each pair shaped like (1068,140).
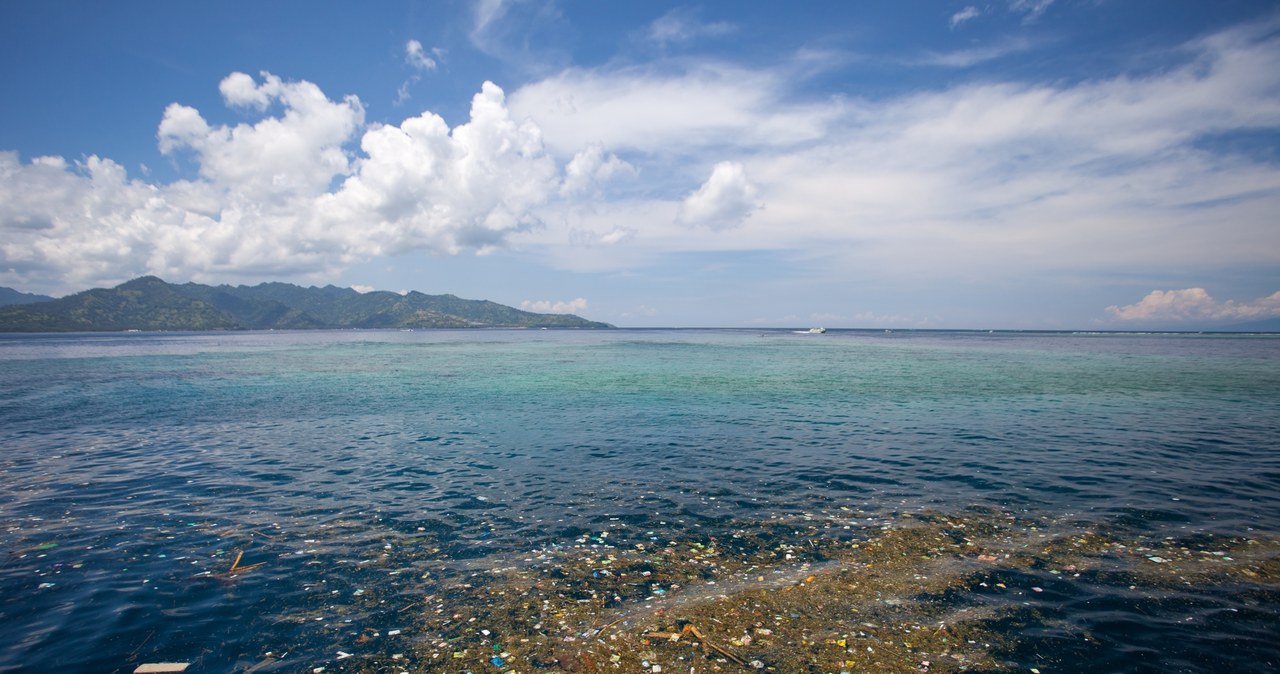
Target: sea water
(137,470)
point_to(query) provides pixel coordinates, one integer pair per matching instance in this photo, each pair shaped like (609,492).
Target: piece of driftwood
(707,646)
(607,626)
(161,667)
(236,568)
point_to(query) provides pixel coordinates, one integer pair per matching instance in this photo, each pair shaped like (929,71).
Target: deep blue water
(134,466)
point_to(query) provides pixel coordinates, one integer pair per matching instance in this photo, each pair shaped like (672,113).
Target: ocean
(562,500)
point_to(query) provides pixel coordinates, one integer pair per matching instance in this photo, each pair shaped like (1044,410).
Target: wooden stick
(725,653)
(674,636)
(602,629)
(702,639)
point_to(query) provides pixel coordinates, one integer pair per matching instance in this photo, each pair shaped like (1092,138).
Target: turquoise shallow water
(129,462)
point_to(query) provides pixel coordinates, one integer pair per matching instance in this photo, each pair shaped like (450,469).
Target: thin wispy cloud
(683,25)
(637,109)
(416,56)
(1031,10)
(487,14)
(528,39)
(966,14)
(965,58)
(591,169)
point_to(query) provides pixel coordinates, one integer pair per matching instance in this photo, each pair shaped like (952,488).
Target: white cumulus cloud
(240,90)
(422,185)
(1195,304)
(297,153)
(263,201)
(66,225)
(723,202)
(573,306)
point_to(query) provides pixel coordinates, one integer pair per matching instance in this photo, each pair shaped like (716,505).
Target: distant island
(149,303)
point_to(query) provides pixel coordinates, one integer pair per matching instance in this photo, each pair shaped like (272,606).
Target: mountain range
(149,303)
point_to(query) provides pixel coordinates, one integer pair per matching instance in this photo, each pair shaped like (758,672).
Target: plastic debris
(161,667)
(848,600)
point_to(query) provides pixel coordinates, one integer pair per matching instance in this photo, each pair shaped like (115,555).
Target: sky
(1029,164)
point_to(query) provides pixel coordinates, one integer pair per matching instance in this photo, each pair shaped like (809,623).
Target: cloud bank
(981,181)
(1195,304)
(573,306)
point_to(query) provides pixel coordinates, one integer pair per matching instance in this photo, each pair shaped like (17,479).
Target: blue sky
(1013,163)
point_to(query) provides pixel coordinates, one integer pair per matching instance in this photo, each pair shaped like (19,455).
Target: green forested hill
(149,303)
(10,296)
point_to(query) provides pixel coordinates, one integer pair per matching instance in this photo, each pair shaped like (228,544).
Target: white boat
(817,331)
